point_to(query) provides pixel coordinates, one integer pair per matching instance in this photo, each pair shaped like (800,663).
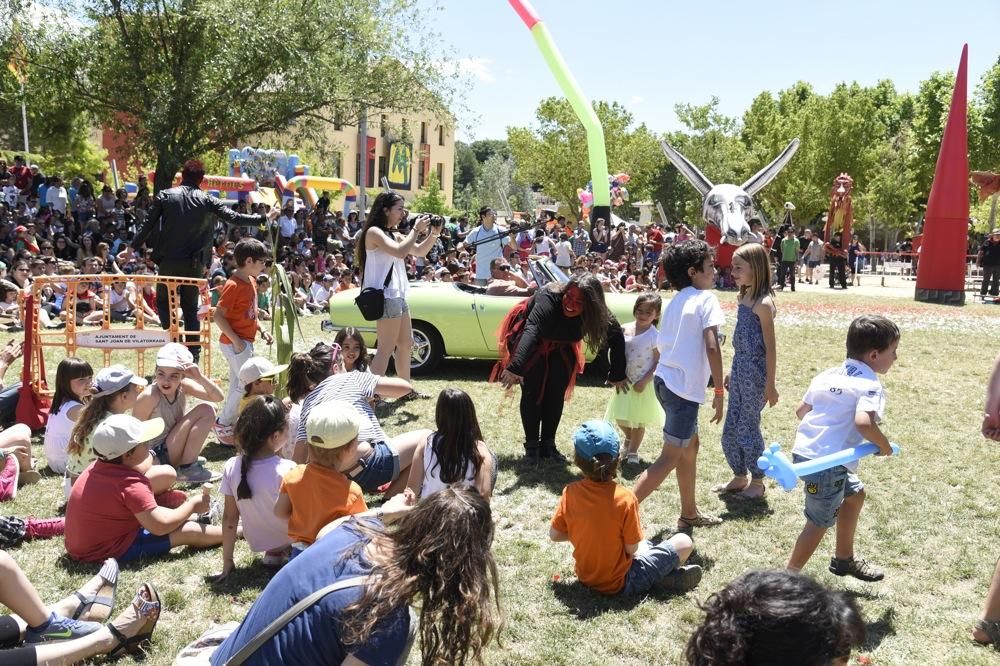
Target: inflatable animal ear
(768,173)
(687,169)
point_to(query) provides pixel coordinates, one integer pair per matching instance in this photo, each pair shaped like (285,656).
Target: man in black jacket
(179,229)
(989,261)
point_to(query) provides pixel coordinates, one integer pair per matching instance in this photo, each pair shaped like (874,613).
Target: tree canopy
(185,77)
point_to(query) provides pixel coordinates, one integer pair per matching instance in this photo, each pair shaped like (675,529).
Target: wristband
(379,513)
(720,391)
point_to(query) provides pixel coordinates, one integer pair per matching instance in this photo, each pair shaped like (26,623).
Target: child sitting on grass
(455,453)
(115,391)
(601,519)
(112,511)
(314,494)
(776,617)
(177,377)
(305,372)
(257,376)
(842,408)
(250,483)
(73,379)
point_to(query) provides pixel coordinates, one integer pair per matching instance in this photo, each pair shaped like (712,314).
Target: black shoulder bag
(371,301)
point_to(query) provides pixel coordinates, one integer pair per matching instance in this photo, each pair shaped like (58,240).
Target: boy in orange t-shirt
(601,519)
(236,317)
(316,493)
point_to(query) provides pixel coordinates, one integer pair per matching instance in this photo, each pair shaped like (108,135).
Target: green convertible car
(457,320)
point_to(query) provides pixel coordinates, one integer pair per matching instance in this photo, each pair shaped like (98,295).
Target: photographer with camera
(381,257)
(488,240)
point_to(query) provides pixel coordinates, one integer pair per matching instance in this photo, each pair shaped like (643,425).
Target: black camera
(437,221)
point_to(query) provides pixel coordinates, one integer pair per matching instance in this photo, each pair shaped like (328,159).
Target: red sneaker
(44,528)
(8,478)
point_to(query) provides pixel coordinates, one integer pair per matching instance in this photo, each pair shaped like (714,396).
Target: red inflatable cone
(941,267)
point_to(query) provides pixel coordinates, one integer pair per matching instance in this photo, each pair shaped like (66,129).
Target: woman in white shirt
(381,253)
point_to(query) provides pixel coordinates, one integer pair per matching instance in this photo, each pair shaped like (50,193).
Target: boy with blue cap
(601,519)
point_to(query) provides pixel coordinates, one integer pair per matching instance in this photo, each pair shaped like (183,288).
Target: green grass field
(932,518)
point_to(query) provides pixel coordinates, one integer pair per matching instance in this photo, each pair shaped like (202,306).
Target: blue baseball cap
(595,437)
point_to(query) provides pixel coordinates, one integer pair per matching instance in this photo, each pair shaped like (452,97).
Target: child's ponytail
(602,467)
(94,409)
(260,420)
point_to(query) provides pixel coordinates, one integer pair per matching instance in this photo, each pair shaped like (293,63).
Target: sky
(649,55)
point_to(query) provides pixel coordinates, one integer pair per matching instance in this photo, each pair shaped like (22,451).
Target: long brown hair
(595,317)
(70,368)
(306,370)
(456,443)
(94,409)
(440,554)
(383,202)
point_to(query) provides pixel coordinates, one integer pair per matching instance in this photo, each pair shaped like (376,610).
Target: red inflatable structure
(941,269)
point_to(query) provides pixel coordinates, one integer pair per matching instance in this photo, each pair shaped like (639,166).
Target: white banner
(122,339)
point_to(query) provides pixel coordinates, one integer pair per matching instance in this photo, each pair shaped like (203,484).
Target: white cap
(114,378)
(120,433)
(258,367)
(333,424)
(174,355)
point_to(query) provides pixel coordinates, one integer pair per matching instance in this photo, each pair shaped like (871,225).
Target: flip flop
(147,609)
(106,603)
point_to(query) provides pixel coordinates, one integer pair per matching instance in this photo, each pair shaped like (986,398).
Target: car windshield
(545,271)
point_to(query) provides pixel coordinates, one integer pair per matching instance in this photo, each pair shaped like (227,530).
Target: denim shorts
(826,491)
(812,264)
(681,423)
(146,543)
(394,308)
(379,468)
(649,565)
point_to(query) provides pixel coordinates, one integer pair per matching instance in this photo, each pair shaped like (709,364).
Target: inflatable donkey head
(727,206)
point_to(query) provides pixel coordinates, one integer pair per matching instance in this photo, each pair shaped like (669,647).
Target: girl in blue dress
(751,380)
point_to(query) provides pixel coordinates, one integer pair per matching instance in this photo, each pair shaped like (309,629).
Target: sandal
(751,498)
(413,395)
(700,520)
(725,488)
(992,630)
(142,608)
(104,598)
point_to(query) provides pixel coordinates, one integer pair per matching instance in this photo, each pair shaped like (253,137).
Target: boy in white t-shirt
(842,408)
(690,353)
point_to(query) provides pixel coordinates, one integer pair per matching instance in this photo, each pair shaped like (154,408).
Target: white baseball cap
(114,378)
(333,424)
(174,355)
(258,367)
(120,433)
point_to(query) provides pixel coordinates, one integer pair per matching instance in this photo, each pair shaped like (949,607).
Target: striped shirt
(354,387)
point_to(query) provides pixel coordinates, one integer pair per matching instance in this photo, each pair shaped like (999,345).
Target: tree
(484,149)
(432,199)
(185,77)
(554,154)
(498,185)
(466,167)
(889,196)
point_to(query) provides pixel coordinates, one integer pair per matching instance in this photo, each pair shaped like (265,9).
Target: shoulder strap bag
(279,623)
(371,301)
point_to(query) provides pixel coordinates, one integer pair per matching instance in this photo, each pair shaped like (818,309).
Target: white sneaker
(632,459)
(223,433)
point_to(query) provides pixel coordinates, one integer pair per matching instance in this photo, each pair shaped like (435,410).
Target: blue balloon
(776,464)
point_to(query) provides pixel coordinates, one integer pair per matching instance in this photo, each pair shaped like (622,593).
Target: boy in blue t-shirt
(842,408)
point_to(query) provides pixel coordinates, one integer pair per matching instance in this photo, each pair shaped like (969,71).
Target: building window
(440,135)
(440,174)
(383,126)
(357,170)
(422,174)
(383,167)
(336,164)
(423,132)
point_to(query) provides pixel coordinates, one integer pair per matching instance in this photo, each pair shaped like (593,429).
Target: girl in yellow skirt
(634,410)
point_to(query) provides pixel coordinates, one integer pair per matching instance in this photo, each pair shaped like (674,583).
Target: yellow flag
(18,64)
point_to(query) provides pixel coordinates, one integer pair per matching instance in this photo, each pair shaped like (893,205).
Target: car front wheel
(428,348)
